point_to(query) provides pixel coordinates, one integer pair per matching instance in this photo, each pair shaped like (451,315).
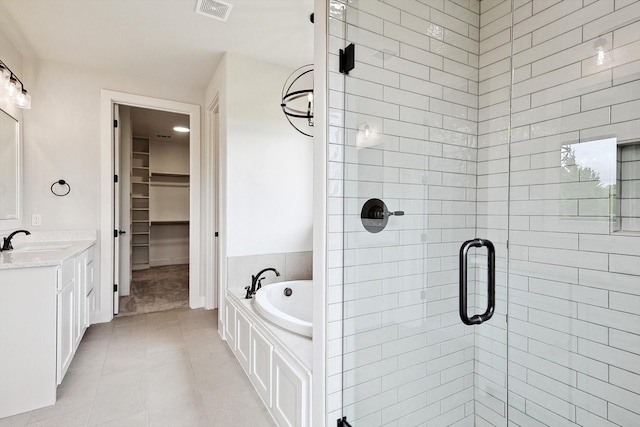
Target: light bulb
(23,100)
(5,75)
(181,129)
(310,97)
(367,132)
(14,88)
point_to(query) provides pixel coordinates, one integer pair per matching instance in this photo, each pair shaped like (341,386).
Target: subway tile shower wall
(410,115)
(423,122)
(574,339)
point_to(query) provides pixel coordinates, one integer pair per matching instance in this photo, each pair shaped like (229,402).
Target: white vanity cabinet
(27,339)
(44,313)
(72,307)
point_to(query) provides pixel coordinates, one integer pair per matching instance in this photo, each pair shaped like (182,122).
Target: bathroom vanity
(46,297)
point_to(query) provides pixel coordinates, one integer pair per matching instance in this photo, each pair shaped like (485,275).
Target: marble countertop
(45,250)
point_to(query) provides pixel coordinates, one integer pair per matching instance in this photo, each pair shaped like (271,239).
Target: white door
(116,208)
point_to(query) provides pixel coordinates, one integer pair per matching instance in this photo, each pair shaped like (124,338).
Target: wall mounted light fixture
(297,99)
(11,88)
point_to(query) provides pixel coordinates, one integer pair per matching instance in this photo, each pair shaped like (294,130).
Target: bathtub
(292,312)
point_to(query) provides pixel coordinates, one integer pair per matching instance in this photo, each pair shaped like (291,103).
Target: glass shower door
(574,280)
(404,155)
(478,120)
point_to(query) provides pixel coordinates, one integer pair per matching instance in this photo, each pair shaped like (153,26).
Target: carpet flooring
(157,289)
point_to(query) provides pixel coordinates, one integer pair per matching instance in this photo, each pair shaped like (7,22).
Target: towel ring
(61,182)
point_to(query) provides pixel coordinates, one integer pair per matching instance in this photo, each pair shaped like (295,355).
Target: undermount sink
(41,248)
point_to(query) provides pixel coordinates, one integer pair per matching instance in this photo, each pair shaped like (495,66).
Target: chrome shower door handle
(491,281)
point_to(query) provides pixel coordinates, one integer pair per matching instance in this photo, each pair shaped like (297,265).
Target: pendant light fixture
(11,89)
(297,100)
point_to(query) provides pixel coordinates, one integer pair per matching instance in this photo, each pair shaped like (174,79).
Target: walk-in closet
(154,206)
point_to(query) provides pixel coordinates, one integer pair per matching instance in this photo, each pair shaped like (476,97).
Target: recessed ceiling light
(181,129)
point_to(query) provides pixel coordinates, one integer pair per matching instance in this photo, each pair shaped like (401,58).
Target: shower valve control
(375,215)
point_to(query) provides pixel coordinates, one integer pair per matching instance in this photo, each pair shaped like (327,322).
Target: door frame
(213,291)
(117,205)
(108,98)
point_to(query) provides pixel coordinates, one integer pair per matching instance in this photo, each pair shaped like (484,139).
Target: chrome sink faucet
(256,282)
(6,242)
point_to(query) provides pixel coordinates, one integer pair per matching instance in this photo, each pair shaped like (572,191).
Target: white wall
(269,164)
(62,139)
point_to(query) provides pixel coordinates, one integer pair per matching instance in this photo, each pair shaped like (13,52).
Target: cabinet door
(65,329)
(230,325)
(91,299)
(91,307)
(80,299)
(290,393)
(261,351)
(243,341)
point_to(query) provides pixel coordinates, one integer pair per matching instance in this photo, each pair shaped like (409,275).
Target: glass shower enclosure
(484,213)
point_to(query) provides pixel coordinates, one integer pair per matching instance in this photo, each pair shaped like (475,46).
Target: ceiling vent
(215,9)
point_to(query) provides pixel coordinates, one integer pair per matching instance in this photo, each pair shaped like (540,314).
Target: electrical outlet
(36,219)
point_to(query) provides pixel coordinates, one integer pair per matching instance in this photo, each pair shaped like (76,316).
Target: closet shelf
(170,174)
(140,199)
(169,222)
(169,184)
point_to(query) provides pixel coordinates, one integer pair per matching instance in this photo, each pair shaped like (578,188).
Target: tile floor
(158,369)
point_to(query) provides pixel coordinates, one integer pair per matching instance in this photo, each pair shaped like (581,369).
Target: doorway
(109,264)
(153,210)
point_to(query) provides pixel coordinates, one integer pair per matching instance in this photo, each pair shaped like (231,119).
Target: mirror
(9,167)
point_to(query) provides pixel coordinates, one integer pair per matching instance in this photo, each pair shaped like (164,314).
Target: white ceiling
(160,39)
(158,125)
